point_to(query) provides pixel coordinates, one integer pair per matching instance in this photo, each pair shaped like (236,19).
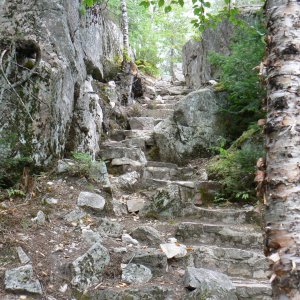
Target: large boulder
(192,129)
(208,284)
(56,108)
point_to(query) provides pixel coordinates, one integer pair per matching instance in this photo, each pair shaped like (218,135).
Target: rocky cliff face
(50,54)
(196,66)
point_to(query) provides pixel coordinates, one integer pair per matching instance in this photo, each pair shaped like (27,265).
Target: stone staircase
(224,240)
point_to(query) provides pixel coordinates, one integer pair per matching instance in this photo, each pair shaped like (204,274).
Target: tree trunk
(283,147)
(125,30)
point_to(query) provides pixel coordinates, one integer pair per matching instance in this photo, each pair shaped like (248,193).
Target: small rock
(91,237)
(148,235)
(64,165)
(74,215)
(91,201)
(110,228)
(51,201)
(120,250)
(23,257)
(174,250)
(40,218)
(135,204)
(21,280)
(126,238)
(133,273)
(63,288)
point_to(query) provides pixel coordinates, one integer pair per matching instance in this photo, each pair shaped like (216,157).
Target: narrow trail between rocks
(132,253)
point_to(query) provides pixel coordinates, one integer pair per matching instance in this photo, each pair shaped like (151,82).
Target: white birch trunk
(283,147)
(125,30)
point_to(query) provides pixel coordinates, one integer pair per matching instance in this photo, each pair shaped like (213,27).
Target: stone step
(241,236)
(156,183)
(252,289)
(157,113)
(167,173)
(141,123)
(120,135)
(111,152)
(231,261)
(155,105)
(162,164)
(161,173)
(228,216)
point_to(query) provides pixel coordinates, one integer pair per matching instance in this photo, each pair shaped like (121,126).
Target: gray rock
(110,228)
(66,113)
(170,200)
(153,259)
(126,238)
(177,73)
(127,181)
(91,237)
(51,201)
(111,152)
(40,218)
(213,285)
(141,123)
(74,215)
(148,235)
(64,165)
(91,201)
(87,269)
(232,261)
(133,273)
(22,280)
(193,128)
(135,204)
(98,172)
(196,65)
(120,250)
(23,257)
(126,161)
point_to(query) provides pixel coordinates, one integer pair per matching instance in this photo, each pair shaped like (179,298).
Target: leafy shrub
(147,67)
(239,77)
(83,164)
(235,168)
(14,157)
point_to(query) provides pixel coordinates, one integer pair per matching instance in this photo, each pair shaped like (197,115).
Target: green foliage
(15,193)
(147,67)
(235,168)
(83,163)
(239,78)
(16,156)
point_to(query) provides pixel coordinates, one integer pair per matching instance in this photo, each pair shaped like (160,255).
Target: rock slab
(22,280)
(134,273)
(212,284)
(91,201)
(87,269)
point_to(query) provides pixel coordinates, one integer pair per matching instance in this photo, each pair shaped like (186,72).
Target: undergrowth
(235,168)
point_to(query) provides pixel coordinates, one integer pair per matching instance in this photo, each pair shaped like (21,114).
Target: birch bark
(125,30)
(283,147)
